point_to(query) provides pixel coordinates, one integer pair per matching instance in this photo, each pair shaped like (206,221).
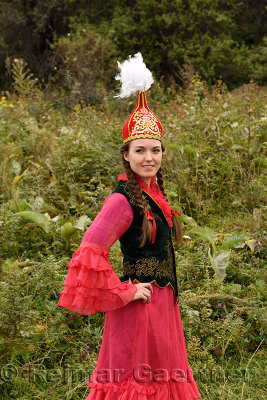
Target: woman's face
(145,157)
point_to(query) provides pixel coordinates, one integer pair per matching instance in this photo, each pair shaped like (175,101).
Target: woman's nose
(148,156)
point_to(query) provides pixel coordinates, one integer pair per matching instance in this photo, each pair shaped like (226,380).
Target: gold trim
(151,266)
(142,102)
(131,196)
(152,112)
(132,114)
(157,216)
(143,136)
(162,287)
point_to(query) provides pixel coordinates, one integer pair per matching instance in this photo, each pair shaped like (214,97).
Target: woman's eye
(154,151)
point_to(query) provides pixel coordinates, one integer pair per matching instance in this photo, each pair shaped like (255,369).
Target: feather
(134,76)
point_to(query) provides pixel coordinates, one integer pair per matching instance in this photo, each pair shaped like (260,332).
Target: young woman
(143,354)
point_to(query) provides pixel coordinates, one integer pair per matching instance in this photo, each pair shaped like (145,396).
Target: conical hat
(142,123)
(136,77)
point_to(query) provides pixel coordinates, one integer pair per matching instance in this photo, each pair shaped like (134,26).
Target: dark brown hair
(142,202)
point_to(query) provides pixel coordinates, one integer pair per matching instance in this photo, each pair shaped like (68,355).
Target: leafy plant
(220,259)
(23,79)
(56,166)
(42,220)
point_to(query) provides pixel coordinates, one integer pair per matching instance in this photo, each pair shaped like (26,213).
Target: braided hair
(143,203)
(178,231)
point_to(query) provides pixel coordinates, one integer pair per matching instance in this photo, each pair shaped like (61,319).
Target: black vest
(153,262)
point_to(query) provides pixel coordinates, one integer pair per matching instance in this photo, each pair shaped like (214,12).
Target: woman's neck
(151,185)
(145,182)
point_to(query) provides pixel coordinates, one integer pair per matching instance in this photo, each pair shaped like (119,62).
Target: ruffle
(91,284)
(131,390)
(155,193)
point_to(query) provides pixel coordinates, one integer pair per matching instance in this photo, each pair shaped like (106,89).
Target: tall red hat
(142,123)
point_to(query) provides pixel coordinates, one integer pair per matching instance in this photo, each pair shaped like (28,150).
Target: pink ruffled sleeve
(91,284)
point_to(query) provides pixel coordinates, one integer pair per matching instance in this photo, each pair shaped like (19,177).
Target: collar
(154,192)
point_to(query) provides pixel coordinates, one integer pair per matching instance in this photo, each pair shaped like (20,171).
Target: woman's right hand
(143,292)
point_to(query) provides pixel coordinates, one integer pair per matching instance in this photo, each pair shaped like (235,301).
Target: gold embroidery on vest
(128,191)
(157,216)
(151,266)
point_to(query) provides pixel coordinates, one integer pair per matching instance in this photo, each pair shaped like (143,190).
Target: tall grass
(58,164)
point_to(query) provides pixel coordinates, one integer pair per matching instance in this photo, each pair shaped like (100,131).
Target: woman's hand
(143,292)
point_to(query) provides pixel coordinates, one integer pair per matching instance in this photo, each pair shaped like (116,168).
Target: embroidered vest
(153,262)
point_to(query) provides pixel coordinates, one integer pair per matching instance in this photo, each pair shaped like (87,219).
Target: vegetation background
(59,126)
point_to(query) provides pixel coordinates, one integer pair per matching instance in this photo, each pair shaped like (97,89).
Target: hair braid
(160,183)
(147,227)
(178,235)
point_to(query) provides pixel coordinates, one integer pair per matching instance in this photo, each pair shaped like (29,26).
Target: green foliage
(57,167)
(173,34)
(216,38)
(86,61)
(27,29)
(22,77)
(220,259)
(235,239)
(259,60)
(39,219)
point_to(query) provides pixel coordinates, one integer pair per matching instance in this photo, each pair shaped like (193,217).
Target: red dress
(143,354)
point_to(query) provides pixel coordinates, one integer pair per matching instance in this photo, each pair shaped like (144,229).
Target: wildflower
(11,105)
(219,305)
(39,328)
(26,365)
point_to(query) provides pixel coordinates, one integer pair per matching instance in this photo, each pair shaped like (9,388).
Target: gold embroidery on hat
(146,123)
(143,136)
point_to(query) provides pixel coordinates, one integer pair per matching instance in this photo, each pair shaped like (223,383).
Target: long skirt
(143,353)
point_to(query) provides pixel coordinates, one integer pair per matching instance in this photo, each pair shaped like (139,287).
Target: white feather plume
(134,76)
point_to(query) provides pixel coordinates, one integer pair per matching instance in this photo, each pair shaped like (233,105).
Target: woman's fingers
(149,286)
(143,292)
(145,296)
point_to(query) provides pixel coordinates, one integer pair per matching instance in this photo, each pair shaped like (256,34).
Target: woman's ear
(125,156)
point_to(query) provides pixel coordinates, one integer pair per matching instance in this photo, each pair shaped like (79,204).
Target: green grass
(56,161)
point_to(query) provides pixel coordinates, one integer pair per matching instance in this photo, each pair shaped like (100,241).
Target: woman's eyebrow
(142,147)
